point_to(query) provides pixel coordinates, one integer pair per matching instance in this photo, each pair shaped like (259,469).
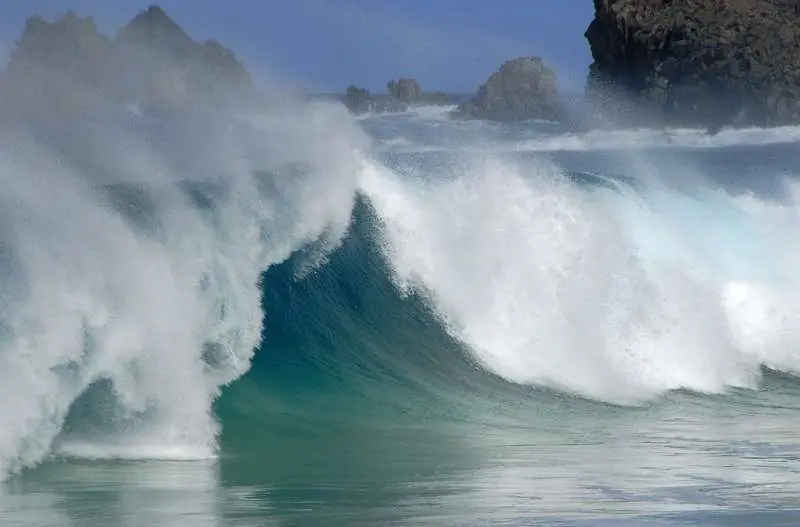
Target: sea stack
(522,88)
(697,62)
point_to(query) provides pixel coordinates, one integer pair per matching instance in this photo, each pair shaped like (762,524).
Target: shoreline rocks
(710,63)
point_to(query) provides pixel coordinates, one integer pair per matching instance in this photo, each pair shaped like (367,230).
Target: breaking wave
(146,258)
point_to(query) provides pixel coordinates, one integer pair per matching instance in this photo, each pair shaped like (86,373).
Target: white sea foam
(157,307)
(613,294)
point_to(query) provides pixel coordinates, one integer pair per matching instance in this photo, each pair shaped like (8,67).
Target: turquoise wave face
(341,343)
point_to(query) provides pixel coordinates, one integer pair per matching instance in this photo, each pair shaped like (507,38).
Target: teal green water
(682,462)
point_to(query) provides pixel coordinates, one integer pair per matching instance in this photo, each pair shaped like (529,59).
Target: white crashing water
(114,277)
(121,289)
(610,293)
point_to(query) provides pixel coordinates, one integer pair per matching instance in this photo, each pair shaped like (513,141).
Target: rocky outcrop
(404,89)
(174,64)
(401,94)
(696,62)
(154,32)
(151,60)
(523,88)
(360,100)
(68,48)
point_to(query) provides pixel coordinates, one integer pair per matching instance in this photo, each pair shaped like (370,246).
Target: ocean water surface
(299,318)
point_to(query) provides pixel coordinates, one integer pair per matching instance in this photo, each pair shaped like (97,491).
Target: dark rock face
(696,62)
(523,88)
(355,96)
(152,60)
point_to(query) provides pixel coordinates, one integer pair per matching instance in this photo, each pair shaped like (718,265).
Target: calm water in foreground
(730,460)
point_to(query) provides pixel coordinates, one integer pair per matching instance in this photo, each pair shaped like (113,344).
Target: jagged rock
(70,46)
(356,97)
(523,88)
(174,66)
(152,60)
(153,30)
(219,61)
(696,62)
(360,100)
(404,89)
(402,94)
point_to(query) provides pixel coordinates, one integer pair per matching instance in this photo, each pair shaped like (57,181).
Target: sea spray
(558,284)
(133,244)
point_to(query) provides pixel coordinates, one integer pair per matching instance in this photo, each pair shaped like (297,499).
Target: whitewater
(131,255)
(614,291)
(173,279)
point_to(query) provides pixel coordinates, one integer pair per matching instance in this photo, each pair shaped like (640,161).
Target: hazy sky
(325,45)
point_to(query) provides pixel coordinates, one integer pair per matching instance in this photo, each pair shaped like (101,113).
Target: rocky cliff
(696,62)
(523,88)
(151,60)
(173,63)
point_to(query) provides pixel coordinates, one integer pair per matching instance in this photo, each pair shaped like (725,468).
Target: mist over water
(132,247)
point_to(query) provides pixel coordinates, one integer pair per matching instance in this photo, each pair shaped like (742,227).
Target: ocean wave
(618,296)
(146,258)
(132,250)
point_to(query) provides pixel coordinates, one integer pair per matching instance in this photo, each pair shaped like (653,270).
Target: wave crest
(132,250)
(597,289)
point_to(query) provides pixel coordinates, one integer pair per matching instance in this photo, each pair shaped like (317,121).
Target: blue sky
(324,45)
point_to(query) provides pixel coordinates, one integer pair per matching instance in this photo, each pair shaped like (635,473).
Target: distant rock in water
(523,88)
(709,63)
(402,94)
(360,100)
(404,89)
(151,60)
(355,97)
